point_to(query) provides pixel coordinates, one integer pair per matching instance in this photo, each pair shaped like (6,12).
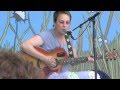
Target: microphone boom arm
(89,19)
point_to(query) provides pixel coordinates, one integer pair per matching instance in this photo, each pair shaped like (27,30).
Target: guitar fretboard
(72,61)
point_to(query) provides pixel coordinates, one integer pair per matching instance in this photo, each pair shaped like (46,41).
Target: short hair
(13,67)
(57,13)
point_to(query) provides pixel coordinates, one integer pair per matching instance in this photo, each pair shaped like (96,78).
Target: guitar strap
(70,49)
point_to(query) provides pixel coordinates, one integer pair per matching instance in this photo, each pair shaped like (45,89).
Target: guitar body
(45,71)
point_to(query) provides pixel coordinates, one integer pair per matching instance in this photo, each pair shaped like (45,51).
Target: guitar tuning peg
(92,56)
(114,49)
(119,54)
(105,50)
(106,59)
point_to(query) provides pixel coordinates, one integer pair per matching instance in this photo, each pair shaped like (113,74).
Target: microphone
(69,32)
(95,15)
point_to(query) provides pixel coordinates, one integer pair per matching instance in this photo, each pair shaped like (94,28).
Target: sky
(78,17)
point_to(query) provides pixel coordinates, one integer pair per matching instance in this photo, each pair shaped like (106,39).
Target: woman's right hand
(50,61)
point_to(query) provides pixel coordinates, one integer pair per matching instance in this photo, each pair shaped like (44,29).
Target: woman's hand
(50,61)
(90,58)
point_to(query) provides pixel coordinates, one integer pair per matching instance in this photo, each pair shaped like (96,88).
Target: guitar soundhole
(61,54)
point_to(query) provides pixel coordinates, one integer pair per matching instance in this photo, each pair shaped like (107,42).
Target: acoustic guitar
(61,58)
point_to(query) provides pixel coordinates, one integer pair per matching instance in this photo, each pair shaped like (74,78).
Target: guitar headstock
(112,54)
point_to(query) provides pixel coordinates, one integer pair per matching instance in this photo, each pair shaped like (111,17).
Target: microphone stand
(94,42)
(94,47)
(94,38)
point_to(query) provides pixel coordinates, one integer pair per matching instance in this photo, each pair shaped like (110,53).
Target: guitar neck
(72,61)
(75,61)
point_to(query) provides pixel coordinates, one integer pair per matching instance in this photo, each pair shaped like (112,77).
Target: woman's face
(62,23)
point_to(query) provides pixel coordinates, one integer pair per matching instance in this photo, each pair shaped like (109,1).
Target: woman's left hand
(90,58)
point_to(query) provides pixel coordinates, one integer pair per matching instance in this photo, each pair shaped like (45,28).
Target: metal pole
(94,47)
(15,35)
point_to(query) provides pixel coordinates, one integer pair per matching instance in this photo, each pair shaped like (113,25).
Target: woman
(50,40)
